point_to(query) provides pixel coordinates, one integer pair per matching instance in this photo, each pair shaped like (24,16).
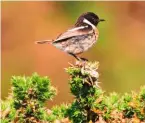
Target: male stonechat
(80,38)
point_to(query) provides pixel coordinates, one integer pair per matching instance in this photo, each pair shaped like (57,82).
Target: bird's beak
(101,20)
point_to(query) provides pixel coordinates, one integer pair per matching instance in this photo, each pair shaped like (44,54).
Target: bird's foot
(81,62)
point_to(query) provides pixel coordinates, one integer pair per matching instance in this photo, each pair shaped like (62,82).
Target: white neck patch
(78,28)
(88,22)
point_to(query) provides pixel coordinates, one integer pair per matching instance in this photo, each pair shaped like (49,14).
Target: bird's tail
(44,42)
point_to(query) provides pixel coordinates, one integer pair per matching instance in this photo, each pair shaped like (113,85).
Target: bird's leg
(76,57)
(84,59)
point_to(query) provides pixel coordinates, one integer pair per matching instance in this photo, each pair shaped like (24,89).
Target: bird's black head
(89,16)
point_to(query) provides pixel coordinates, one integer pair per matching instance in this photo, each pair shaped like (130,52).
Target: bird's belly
(77,45)
(87,42)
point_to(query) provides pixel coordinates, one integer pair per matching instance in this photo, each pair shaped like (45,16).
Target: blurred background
(120,48)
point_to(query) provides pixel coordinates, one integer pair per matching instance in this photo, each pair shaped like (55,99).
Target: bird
(79,38)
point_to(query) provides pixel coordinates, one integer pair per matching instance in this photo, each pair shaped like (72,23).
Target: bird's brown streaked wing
(69,34)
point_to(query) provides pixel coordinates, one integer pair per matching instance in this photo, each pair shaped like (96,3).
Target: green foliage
(8,112)
(84,86)
(57,113)
(91,104)
(29,96)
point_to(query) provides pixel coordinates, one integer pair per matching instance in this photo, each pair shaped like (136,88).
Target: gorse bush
(26,104)
(28,98)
